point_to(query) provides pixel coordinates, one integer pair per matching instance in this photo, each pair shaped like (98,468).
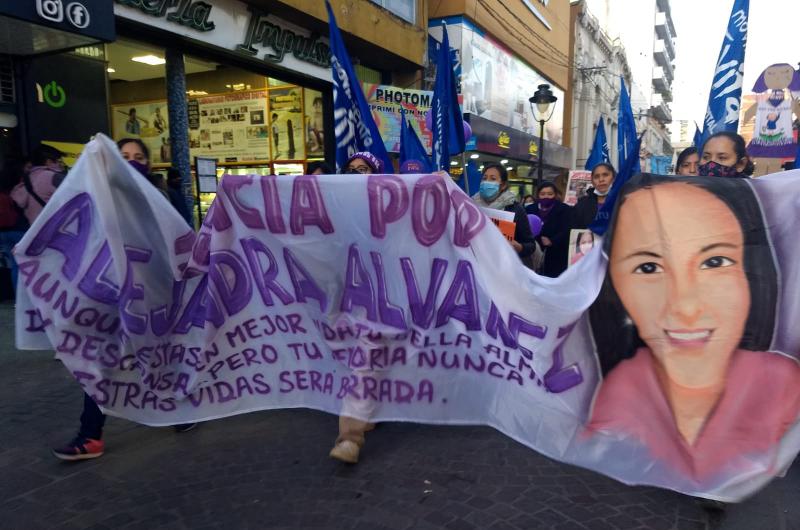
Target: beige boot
(346,451)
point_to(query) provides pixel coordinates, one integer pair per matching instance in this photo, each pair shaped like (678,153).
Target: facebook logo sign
(54,11)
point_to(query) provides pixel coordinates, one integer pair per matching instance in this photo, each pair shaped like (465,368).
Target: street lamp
(542,107)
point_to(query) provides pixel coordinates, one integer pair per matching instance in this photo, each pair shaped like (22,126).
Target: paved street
(271,470)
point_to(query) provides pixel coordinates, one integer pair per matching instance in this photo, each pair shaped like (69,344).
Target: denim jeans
(92,420)
(9,238)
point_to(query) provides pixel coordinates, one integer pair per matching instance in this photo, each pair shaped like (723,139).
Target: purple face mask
(547,203)
(138,166)
(714,169)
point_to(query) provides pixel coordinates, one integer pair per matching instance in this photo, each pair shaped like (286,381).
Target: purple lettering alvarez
(358,286)
(380,213)
(422,312)
(463,287)
(67,231)
(390,314)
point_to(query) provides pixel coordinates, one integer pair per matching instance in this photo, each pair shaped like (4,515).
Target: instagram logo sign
(54,11)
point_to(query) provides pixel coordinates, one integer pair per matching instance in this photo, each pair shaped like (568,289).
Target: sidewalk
(271,470)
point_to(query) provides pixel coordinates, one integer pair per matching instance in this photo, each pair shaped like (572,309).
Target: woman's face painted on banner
(681,278)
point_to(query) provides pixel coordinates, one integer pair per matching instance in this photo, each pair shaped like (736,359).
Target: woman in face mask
(724,154)
(138,156)
(603,175)
(554,237)
(494,193)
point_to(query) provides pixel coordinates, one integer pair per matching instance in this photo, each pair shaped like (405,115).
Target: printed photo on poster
(389,103)
(579,182)
(580,243)
(146,121)
(286,123)
(232,127)
(315,132)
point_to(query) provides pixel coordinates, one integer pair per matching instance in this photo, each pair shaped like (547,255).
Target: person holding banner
(724,154)
(88,443)
(687,162)
(584,212)
(494,193)
(554,237)
(364,163)
(696,291)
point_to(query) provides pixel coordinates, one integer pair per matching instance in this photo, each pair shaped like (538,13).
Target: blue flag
(600,148)
(797,157)
(448,124)
(725,97)
(603,217)
(354,127)
(626,133)
(411,147)
(698,138)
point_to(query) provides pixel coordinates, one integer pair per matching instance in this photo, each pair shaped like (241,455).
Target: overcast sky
(773,36)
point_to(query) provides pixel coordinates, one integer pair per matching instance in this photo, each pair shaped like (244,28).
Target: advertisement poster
(388,103)
(232,127)
(147,121)
(580,243)
(496,85)
(315,129)
(579,181)
(286,123)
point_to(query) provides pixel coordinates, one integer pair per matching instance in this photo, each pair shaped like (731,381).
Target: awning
(491,137)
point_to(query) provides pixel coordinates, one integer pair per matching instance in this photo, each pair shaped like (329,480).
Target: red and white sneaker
(80,449)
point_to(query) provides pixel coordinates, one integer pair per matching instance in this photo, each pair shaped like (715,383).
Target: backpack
(9,212)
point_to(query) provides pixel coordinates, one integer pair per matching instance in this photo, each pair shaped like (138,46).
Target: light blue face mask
(489,189)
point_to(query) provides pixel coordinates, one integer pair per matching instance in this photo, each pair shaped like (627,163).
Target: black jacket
(556,228)
(522,231)
(584,212)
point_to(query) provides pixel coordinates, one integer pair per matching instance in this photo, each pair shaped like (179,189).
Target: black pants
(92,420)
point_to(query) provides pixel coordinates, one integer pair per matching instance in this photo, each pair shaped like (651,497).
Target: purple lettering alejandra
(58,235)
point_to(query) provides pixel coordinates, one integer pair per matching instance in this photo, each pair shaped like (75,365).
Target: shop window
(6,81)
(405,9)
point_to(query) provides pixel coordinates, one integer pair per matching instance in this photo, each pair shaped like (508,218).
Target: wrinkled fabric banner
(670,363)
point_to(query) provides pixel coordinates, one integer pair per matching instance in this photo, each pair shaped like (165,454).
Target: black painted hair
(493,165)
(606,165)
(739,147)
(616,339)
(686,153)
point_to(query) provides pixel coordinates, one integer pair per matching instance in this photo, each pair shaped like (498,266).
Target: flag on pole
(353,124)
(411,147)
(599,148)
(628,170)
(447,121)
(698,137)
(725,98)
(797,157)
(626,133)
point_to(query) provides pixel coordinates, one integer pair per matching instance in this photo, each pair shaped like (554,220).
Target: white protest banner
(388,298)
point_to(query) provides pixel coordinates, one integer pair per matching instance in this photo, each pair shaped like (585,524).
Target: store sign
(491,137)
(269,35)
(233,25)
(503,140)
(389,103)
(89,18)
(193,14)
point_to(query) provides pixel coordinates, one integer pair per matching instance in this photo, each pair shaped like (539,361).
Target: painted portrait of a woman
(683,328)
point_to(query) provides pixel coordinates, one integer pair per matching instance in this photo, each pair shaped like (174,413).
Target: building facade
(502,52)
(650,51)
(598,63)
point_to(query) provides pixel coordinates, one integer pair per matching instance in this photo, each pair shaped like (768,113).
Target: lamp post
(542,106)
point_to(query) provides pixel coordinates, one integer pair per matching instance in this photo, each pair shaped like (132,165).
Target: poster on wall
(579,181)
(147,121)
(314,123)
(496,85)
(285,123)
(580,243)
(389,103)
(233,127)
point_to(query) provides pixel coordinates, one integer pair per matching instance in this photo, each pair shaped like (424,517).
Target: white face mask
(601,194)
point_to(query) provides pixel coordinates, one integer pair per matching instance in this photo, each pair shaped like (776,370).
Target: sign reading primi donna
(234,26)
